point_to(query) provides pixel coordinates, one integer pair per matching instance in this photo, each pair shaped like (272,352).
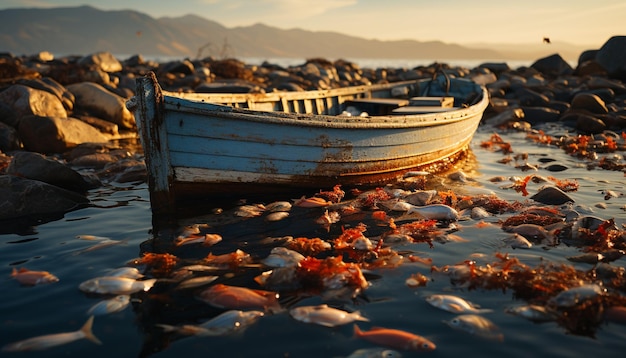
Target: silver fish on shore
(434,212)
(115,285)
(40,343)
(325,315)
(455,304)
(111,305)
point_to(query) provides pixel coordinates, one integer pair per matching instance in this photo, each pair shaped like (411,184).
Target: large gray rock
(26,197)
(51,86)
(553,65)
(24,101)
(104,61)
(612,57)
(8,138)
(35,166)
(102,103)
(56,135)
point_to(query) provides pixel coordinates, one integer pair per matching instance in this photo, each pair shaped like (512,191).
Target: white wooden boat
(199,145)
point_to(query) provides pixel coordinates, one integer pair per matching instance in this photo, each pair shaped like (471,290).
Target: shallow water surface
(123,213)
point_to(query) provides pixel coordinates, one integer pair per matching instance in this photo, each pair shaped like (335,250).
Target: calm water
(123,213)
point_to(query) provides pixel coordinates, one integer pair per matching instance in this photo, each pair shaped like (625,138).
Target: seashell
(551,195)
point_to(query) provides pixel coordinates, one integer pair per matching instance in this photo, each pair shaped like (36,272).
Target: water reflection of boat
(205,144)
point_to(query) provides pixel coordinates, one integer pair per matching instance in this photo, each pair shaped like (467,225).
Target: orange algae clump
(159,264)
(333,196)
(330,273)
(308,247)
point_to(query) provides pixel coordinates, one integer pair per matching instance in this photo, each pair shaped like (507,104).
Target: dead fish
(396,205)
(235,297)
(30,278)
(396,339)
(128,272)
(533,313)
(421,197)
(517,241)
(476,325)
(434,212)
(101,243)
(325,315)
(312,202)
(573,296)
(205,240)
(111,305)
(52,340)
(375,353)
(115,285)
(454,304)
(92,238)
(225,323)
(196,282)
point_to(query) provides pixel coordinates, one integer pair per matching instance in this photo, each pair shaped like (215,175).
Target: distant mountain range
(85,29)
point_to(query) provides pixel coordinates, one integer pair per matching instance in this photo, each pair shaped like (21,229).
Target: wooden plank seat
(432,101)
(407,110)
(376,106)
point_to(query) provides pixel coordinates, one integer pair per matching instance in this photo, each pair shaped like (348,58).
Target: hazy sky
(579,22)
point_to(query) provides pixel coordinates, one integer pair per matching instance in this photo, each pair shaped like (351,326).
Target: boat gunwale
(326,121)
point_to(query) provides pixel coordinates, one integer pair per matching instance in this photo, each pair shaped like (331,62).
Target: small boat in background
(200,145)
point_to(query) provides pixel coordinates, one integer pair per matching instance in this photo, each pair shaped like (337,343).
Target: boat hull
(197,149)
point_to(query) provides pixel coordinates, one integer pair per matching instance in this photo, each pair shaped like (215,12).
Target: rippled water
(123,213)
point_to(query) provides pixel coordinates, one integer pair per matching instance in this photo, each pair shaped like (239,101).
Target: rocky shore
(65,128)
